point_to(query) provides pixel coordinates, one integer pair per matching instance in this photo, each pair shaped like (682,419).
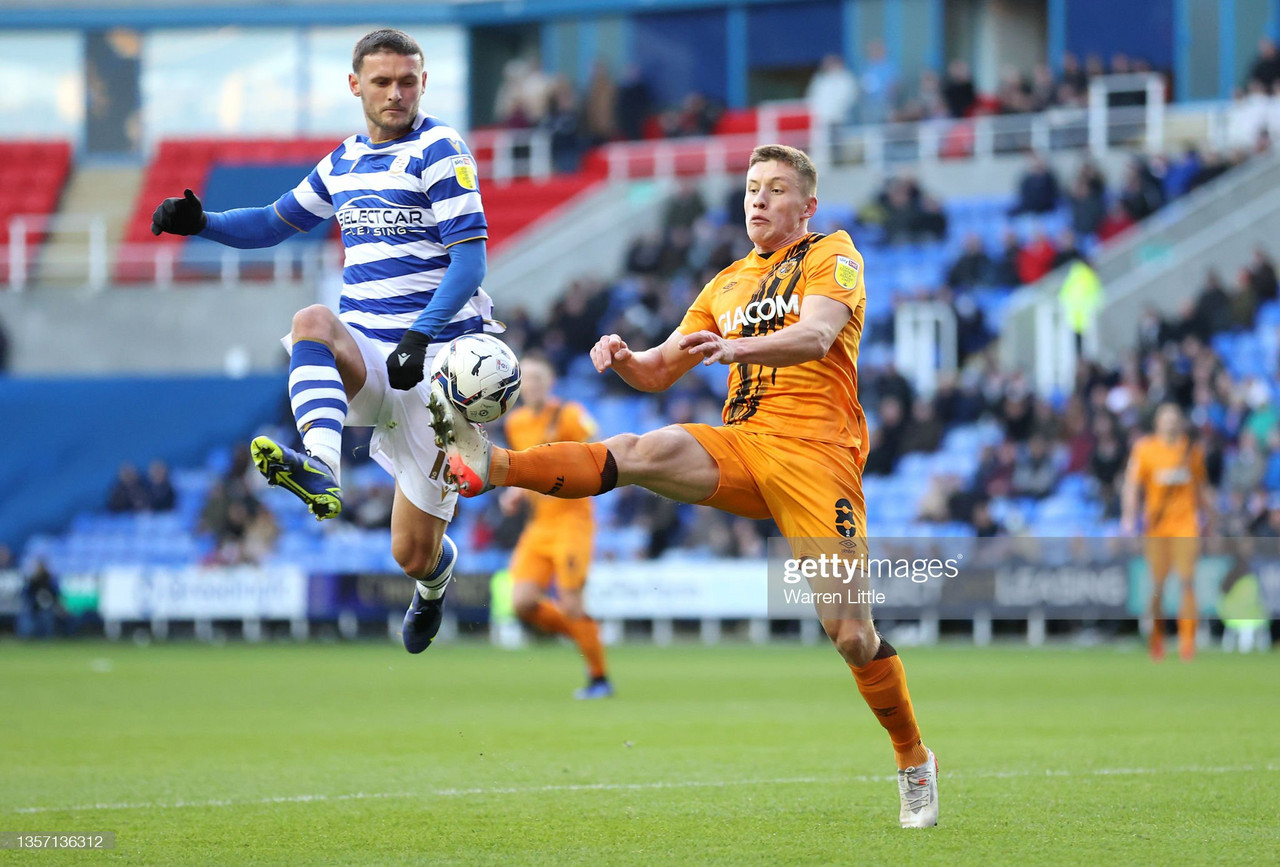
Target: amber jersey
(758,295)
(555,421)
(1171,476)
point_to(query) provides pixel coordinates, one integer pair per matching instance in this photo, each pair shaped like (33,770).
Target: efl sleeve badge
(846,272)
(465,172)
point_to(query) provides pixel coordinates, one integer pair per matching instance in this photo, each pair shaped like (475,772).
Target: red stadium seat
(32,175)
(512,208)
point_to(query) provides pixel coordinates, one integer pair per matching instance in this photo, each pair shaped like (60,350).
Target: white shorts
(403,443)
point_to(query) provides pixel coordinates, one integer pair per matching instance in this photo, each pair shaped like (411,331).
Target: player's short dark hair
(794,157)
(385,40)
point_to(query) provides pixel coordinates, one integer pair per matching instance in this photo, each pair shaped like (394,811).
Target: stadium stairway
(179,164)
(1147,264)
(103,191)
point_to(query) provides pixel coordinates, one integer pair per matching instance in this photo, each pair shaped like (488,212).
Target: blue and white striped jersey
(401,204)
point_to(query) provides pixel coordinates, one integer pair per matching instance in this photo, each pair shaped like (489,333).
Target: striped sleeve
(452,186)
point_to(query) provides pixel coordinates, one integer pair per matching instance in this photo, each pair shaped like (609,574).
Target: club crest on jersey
(846,272)
(785,268)
(399,164)
(465,172)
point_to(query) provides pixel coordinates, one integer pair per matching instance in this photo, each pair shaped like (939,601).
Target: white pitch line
(628,787)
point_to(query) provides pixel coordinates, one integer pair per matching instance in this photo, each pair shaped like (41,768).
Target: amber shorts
(812,490)
(560,551)
(1176,553)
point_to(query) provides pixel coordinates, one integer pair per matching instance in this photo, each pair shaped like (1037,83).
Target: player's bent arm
(467,267)
(654,369)
(807,339)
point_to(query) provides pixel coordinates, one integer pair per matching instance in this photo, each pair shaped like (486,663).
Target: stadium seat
(31,181)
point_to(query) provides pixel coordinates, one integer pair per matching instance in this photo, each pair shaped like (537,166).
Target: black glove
(176,216)
(405,365)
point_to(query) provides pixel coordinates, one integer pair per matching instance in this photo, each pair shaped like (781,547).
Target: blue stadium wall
(65,438)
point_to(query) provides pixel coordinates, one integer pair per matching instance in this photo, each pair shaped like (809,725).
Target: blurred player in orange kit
(1166,470)
(787,321)
(556,543)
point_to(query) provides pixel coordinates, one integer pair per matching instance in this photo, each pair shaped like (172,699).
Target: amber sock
(1187,623)
(883,685)
(586,634)
(1155,642)
(549,618)
(565,470)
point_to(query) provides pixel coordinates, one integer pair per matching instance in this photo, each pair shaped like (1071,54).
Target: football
(480,374)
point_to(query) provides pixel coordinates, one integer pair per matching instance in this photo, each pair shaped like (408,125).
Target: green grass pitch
(358,753)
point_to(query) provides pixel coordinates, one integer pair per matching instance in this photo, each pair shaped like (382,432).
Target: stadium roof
(76,14)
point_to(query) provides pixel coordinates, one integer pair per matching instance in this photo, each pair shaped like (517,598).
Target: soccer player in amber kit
(1167,472)
(555,546)
(787,320)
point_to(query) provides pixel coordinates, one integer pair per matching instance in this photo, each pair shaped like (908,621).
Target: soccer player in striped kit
(407,198)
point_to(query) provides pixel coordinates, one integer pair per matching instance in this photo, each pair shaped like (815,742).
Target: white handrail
(18,253)
(516,153)
(1058,128)
(92,226)
(925,343)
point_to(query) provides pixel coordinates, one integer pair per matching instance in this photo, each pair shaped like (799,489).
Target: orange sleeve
(834,269)
(1198,472)
(698,317)
(576,424)
(1138,470)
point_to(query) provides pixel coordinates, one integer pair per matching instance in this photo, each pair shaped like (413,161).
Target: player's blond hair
(794,157)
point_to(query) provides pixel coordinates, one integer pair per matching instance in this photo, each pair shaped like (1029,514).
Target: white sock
(434,584)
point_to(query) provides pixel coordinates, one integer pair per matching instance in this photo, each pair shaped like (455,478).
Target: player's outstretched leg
(569,470)
(306,476)
(422,620)
(468,449)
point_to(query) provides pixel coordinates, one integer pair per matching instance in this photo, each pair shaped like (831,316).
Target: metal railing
(82,258)
(925,343)
(506,154)
(1028,328)
(26,232)
(1098,126)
